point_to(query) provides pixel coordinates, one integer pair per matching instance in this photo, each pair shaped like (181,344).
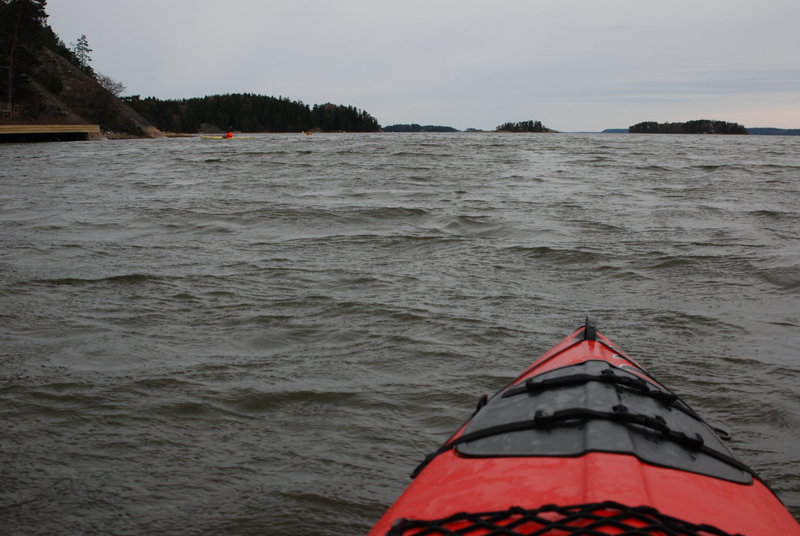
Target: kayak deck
(585,428)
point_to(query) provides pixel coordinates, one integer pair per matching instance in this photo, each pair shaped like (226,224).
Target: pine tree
(80,49)
(20,20)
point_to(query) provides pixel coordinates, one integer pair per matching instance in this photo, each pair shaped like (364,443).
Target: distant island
(523,126)
(418,128)
(700,126)
(762,131)
(768,131)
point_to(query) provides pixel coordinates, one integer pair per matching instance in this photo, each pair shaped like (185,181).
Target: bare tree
(111,85)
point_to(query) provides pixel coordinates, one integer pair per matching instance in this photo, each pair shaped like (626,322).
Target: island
(771,131)
(413,127)
(523,126)
(700,126)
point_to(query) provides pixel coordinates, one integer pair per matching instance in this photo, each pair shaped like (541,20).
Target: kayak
(585,441)
(227,138)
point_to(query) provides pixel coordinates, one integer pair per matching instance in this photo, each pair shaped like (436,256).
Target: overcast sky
(575,65)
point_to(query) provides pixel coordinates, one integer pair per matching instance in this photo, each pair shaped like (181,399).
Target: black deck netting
(596,519)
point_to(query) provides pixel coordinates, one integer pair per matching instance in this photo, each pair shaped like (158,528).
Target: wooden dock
(22,133)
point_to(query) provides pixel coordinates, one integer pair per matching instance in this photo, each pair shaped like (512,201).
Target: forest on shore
(49,82)
(250,113)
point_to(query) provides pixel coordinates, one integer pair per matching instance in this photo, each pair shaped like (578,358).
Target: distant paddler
(228,135)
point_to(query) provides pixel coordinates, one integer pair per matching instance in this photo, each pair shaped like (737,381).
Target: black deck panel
(599,430)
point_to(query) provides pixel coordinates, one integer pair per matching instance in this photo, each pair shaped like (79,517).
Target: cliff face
(58,92)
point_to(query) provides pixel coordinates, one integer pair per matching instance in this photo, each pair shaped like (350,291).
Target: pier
(33,133)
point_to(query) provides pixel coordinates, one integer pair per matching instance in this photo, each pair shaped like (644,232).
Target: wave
(776,215)
(784,278)
(565,256)
(123,279)
(467,226)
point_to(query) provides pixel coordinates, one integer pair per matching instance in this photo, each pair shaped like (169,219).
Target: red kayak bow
(585,442)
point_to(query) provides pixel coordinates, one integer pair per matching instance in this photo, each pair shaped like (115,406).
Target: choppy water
(264,336)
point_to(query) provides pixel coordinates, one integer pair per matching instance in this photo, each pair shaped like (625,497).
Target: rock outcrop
(59,92)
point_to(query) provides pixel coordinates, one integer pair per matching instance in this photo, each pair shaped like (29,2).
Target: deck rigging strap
(536,385)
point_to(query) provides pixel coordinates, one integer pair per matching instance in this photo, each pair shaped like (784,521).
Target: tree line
(700,126)
(250,113)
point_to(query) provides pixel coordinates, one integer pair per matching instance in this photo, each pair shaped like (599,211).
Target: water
(265,336)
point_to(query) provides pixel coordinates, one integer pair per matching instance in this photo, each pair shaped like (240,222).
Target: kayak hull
(452,484)
(733,500)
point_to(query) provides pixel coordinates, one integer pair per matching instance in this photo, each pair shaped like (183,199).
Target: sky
(575,65)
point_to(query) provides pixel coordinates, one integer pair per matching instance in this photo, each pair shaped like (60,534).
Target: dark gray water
(265,336)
